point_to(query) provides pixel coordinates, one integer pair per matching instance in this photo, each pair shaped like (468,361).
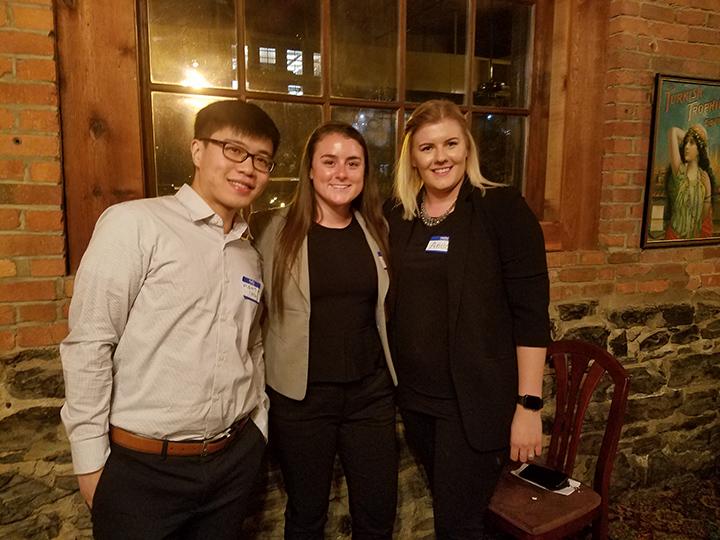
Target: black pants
(355,420)
(145,496)
(462,480)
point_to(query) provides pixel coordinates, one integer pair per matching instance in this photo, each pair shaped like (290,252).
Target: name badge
(251,289)
(438,244)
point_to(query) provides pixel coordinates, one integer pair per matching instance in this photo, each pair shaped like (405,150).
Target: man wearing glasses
(165,407)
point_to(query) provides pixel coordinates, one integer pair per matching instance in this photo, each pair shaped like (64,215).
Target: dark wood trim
(584,113)
(100,113)
(148,135)
(536,159)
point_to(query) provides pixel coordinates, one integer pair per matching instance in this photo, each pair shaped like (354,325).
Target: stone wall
(658,310)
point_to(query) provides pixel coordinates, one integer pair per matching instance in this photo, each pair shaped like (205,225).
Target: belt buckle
(204,448)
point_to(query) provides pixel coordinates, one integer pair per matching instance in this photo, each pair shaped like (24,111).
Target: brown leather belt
(160,447)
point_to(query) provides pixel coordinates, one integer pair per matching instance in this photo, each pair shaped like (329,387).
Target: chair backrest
(579,368)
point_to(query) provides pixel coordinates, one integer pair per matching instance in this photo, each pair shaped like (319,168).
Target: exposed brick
(578,274)
(561,258)
(711,252)
(3,16)
(631,60)
(30,145)
(631,25)
(606,274)
(694,283)
(30,194)
(625,195)
(47,267)
(624,7)
(26,43)
(613,212)
(11,169)
(592,257)
(700,268)
(27,291)
(711,280)
(32,18)
(36,70)
(669,31)
(7,340)
(6,67)
(51,220)
(34,120)
(691,17)
(8,268)
(7,119)
(45,171)
(611,240)
(9,219)
(654,286)
(626,288)
(624,257)
(624,162)
(37,312)
(657,12)
(7,315)
(32,94)
(24,245)
(632,270)
(597,290)
(68,286)
(563,292)
(702,35)
(41,336)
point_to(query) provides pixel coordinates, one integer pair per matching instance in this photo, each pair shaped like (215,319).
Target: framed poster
(682,196)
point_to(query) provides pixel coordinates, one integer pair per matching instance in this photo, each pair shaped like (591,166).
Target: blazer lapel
(457,258)
(300,273)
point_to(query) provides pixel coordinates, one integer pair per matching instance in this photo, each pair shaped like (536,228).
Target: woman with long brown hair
(329,373)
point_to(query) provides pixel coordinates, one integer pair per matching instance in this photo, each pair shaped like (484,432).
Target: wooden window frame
(103,95)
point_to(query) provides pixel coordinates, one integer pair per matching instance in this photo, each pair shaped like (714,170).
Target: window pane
(503,41)
(173,116)
(501,143)
(364,44)
(193,42)
(436,43)
(378,128)
(282,43)
(295,121)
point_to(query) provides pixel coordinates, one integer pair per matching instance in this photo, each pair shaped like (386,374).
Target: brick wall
(32,244)
(658,310)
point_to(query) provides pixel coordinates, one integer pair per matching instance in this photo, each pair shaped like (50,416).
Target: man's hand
(88,483)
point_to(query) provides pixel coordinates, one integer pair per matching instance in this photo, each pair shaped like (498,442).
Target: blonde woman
(469,317)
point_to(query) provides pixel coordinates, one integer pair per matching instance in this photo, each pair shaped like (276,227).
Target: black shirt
(423,363)
(344,341)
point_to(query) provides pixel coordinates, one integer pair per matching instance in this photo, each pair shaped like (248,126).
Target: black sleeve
(521,248)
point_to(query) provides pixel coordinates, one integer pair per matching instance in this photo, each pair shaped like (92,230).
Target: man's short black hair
(241,117)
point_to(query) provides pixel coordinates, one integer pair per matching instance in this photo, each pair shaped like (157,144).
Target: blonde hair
(408,183)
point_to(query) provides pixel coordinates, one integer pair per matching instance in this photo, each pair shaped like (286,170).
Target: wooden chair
(525,511)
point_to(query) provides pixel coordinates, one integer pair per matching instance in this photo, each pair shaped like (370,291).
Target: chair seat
(537,511)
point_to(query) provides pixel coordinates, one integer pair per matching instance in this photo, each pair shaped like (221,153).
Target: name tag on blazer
(438,244)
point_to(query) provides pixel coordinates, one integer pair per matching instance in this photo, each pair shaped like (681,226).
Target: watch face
(533,403)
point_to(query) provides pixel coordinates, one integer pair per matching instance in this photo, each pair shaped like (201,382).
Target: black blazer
(498,295)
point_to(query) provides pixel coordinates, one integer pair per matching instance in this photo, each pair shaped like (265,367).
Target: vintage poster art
(682,196)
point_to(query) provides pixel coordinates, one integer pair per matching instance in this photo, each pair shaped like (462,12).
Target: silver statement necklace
(431,221)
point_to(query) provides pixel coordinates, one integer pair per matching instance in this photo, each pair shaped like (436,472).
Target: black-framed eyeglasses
(238,154)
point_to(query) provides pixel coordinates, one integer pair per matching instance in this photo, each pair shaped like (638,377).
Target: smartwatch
(533,403)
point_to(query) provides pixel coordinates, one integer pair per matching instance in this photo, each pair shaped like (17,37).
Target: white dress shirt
(164,338)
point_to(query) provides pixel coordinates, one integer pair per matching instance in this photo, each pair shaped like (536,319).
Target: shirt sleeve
(109,278)
(524,266)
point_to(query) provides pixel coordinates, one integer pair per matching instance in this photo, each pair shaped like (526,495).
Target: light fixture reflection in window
(317,64)
(193,78)
(295,90)
(295,61)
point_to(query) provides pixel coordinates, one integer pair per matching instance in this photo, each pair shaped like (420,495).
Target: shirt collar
(199,210)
